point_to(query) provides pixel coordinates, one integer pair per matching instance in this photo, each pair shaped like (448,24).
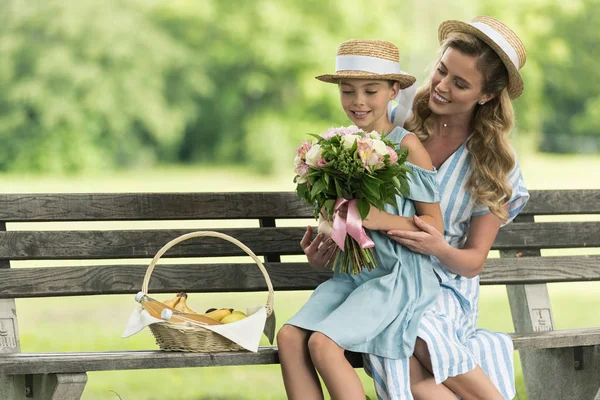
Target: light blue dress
(379,311)
(449,327)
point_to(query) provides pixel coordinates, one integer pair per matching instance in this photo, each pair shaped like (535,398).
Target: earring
(481,103)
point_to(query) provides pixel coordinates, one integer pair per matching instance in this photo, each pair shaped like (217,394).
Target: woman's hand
(428,241)
(320,251)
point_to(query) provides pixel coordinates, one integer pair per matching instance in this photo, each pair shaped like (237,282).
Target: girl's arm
(469,260)
(428,212)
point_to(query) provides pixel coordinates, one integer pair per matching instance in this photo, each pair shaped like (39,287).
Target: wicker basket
(195,338)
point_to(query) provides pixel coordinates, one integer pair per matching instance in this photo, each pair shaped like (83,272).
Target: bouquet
(347,166)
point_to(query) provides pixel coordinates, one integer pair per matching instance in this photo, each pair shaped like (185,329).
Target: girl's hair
(489,146)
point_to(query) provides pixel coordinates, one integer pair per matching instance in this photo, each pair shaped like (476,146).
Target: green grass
(96,323)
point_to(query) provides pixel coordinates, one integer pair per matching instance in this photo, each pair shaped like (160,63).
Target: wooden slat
(150,206)
(557,339)
(234,205)
(45,363)
(547,202)
(548,235)
(123,279)
(31,245)
(530,270)
(207,278)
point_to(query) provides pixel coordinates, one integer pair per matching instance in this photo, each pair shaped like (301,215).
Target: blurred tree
(89,84)
(567,52)
(261,57)
(561,99)
(124,83)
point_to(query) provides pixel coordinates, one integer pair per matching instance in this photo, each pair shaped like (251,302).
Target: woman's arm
(469,260)
(429,212)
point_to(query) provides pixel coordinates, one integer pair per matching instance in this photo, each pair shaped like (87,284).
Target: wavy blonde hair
(489,146)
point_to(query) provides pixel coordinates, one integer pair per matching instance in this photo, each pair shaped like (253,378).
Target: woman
(463,116)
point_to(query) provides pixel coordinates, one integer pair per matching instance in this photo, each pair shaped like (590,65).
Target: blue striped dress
(449,327)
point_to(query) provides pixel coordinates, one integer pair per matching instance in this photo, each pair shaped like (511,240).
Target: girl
(372,311)
(463,115)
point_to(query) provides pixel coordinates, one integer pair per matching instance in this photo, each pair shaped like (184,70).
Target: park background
(214,95)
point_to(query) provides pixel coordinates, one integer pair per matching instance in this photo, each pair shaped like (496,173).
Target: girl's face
(456,84)
(365,102)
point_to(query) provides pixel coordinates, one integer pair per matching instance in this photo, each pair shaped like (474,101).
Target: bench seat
(44,363)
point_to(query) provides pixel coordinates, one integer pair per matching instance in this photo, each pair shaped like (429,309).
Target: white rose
(348,140)
(379,147)
(374,135)
(313,155)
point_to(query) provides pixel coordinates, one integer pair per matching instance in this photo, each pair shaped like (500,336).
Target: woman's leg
(423,386)
(340,378)
(299,375)
(473,385)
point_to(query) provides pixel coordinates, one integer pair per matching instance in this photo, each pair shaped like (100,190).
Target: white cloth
(246,332)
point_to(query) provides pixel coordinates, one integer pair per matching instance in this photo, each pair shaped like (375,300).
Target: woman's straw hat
(368,59)
(501,39)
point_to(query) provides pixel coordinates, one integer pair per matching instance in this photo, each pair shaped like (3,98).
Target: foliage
(129,83)
(348,163)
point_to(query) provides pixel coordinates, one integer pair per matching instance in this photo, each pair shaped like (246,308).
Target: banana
(219,314)
(182,305)
(172,302)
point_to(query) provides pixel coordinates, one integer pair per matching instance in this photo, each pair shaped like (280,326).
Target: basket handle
(223,236)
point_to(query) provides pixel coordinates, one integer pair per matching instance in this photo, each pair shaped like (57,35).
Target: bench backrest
(115,227)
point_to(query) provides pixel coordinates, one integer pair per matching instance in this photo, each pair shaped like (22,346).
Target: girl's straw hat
(368,59)
(501,39)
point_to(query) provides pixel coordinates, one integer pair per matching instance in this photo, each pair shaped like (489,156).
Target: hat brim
(515,82)
(405,80)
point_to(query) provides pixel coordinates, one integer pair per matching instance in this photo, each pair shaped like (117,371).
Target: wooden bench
(556,364)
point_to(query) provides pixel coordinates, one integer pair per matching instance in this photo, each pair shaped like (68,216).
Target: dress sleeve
(520,196)
(423,185)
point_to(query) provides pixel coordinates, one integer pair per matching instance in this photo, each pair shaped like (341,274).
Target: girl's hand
(321,251)
(428,241)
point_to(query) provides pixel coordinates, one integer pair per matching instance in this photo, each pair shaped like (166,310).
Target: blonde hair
(489,146)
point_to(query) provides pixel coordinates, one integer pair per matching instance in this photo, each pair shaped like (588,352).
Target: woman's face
(456,84)
(365,102)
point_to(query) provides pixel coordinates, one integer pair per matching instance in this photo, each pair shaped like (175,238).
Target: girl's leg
(340,378)
(299,375)
(423,386)
(473,385)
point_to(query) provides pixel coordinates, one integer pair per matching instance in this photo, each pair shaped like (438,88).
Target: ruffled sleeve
(520,196)
(423,185)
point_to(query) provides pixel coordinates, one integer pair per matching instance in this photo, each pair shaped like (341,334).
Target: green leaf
(329,204)
(302,190)
(318,137)
(363,208)
(338,189)
(317,188)
(372,189)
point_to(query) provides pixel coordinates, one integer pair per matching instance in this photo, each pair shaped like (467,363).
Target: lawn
(96,323)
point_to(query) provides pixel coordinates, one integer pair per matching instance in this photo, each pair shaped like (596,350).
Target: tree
(89,84)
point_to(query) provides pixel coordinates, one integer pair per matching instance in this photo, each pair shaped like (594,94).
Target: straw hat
(501,39)
(368,59)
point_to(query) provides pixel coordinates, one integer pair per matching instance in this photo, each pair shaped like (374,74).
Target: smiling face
(365,102)
(456,84)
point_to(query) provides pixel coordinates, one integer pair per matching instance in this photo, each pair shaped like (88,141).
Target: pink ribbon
(352,225)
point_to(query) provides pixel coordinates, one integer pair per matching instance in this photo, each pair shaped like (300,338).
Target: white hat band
(367,64)
(499,40)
